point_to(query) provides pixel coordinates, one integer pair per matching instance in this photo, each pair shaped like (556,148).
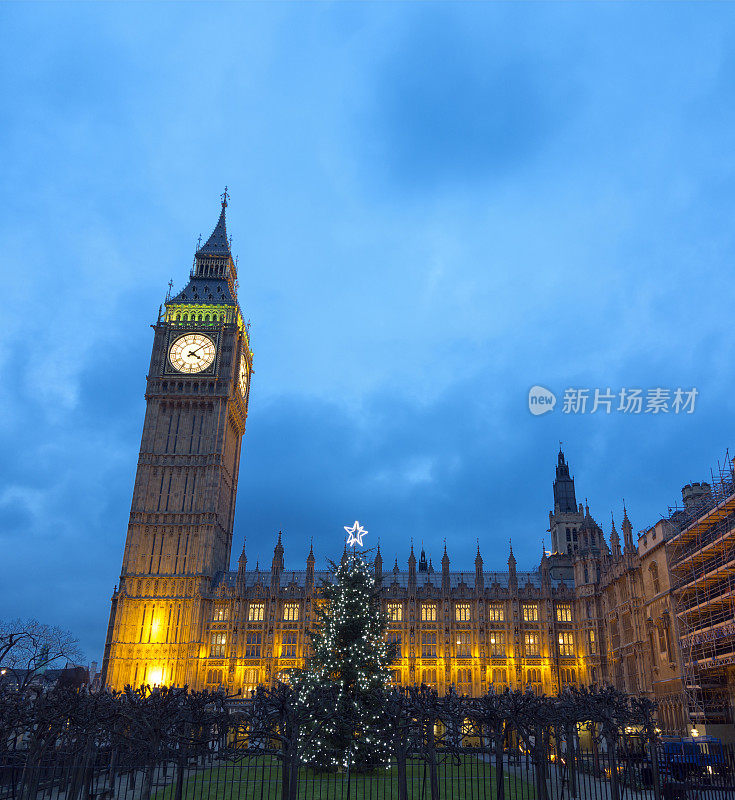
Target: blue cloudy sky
(435,207)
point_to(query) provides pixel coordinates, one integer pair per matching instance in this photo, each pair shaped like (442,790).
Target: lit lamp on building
(155,676)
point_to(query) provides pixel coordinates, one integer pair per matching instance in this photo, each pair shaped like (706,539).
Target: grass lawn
(260,779)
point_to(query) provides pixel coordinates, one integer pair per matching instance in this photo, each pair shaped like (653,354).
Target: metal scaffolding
(702,568)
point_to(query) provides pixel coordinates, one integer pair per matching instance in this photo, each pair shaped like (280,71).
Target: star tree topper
(356,532)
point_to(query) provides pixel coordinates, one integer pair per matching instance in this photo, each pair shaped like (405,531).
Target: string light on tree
(350,652)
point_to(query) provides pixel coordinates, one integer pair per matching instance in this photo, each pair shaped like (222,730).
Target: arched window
(428,676)
(533,679)
(653,569)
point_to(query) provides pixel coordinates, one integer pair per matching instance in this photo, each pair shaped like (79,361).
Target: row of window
(462,612)
(253,644)
(499,677)
(199,317)
(256,612)
(495,612)
(463,644)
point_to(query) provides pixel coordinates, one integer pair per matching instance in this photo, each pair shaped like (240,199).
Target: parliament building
(180,615)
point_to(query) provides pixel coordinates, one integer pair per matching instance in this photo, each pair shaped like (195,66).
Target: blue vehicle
(680,758)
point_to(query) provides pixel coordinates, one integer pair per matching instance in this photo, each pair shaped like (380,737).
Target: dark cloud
(395,341)
(456,102)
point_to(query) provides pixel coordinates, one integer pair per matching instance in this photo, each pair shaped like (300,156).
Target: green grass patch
(259,778)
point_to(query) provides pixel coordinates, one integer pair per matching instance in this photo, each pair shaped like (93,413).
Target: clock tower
(179,534)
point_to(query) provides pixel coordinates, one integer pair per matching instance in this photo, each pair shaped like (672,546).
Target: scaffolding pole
(702,569)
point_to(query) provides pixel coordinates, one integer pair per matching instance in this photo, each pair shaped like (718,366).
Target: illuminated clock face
(243,375)
(192,352)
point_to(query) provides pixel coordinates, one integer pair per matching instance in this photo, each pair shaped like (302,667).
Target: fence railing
(309,742)
(233,772)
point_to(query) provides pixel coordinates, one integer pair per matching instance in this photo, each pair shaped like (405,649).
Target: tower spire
(614,539)
(565,499)
(218,243)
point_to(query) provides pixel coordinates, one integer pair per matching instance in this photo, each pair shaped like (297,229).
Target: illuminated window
(567,675)
(530,612)
(464,681)
(462,612)
(428,676)
(395,612)
(214,676)
(252,644)
(495,612)
(291,612)
(288,644)
(497,643)
(500,679)
(464,644)
(533,679)
(221,613)
(531,644)
(428,645)
(256,612)
(217,645)
(394,639)
(250,681)
(563,612)
(592,643)
(395,677)
(566,643)
(428,612)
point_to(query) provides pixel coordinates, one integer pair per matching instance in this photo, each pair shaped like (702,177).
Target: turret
(423,565)
(378,565)
(614,542)
(512,575)
(479,577)
(445,570)
(565,500)
(241,567)
(277,566)
(694,494)
(545,573)
(412,569)
(310,568)
(630,547)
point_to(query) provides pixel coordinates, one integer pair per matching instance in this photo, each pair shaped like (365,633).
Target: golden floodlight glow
(155,676)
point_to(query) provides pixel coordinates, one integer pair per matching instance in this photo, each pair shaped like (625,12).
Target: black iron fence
(172,744)
(231,771)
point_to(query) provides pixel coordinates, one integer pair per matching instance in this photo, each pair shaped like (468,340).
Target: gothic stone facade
(180,616)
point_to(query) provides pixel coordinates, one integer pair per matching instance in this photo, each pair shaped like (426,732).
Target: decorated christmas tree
(349,652)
